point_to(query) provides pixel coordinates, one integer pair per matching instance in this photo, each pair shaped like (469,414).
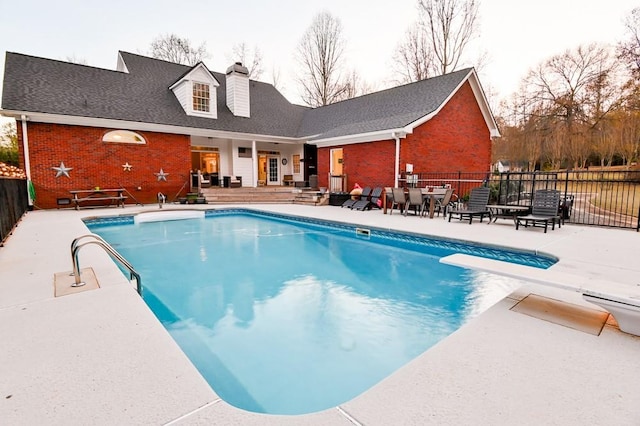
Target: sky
(517,35)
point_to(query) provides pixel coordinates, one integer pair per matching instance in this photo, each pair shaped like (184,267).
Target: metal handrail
(162,199)
(76,245)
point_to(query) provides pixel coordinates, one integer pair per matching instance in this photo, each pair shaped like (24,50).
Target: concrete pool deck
(101,357)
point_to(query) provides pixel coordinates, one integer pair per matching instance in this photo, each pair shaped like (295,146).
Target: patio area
(101,357)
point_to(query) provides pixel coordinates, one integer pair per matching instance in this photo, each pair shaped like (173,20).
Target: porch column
(25,146)
(254,160)
(27,160)
(397,160)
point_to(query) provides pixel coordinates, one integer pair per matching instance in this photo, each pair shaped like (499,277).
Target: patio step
(311,197)
(262,195)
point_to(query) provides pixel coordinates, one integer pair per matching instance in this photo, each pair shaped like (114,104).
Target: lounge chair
(416,201)
(369,203)
(544,209)
(476,207)
(399,199)
(366,192)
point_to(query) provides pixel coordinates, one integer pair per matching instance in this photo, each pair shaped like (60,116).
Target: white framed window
(123,136)
(201,97)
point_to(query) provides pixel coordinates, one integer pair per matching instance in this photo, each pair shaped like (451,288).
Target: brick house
(147,124)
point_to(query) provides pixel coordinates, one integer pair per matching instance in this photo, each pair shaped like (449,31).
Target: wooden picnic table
(98,194)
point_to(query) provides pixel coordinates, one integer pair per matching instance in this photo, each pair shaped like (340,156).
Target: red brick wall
(96,163)
(367,164)
(457,139)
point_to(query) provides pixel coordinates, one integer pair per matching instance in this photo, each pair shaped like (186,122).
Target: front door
(262,170)
(310,161)
(273,170)
(337,179)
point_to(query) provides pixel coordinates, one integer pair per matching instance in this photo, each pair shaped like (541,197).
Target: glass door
(273,170)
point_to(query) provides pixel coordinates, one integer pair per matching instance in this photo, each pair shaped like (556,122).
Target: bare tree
(276,79)
(250,59)
(627,123)
(571,90)
(628,135)
(8,134)
(521,140)
(450,25)
(413,58)
(319,54)
(604,142)
(602,100)
(356,86)
(629,50)
(9,143)
(172,48)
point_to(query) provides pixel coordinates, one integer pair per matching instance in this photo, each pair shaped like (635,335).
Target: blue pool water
(287,317)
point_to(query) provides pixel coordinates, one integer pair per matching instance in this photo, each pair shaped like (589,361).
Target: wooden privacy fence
(14,201)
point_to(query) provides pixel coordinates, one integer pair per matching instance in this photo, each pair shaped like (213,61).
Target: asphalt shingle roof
(41,85)
(388,109)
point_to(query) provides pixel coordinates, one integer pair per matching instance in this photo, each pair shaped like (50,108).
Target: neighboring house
(504,166)
(147,124)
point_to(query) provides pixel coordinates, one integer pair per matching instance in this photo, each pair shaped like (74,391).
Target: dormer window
(201,99)
(196,92)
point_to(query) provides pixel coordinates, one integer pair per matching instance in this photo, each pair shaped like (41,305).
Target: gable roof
(200,65)
(398,109)
(141,95)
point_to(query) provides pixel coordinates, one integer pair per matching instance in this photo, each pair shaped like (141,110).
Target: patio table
(433,195)
(505,211)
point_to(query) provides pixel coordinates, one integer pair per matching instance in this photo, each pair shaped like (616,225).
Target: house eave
(150,127)
(380,135)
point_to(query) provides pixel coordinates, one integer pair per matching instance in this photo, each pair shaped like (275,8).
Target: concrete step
(280,195)
(311,197)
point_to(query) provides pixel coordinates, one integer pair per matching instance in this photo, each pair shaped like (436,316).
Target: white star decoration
(62,170)
(162,175)
(126,167)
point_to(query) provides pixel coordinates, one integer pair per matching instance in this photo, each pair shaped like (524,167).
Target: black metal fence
(14,201)
(602,197)
(461,182)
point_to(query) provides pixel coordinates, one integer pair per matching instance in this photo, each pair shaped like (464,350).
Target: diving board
(622,301)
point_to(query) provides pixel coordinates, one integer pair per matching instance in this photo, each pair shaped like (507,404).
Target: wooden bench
(99,195)
(287,180)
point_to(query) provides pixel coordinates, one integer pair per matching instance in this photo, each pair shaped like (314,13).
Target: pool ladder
(76,245)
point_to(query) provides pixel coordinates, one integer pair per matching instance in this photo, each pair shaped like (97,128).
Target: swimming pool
(286,316)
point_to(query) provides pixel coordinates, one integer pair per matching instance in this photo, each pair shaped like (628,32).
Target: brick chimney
(238,90)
